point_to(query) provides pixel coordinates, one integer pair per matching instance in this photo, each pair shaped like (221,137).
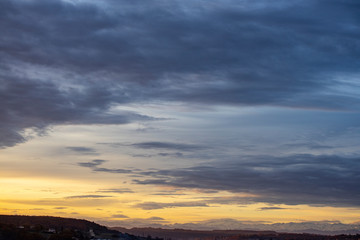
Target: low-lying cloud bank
(316,180)
(296,179)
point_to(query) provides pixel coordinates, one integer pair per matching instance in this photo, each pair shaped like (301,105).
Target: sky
(207,114)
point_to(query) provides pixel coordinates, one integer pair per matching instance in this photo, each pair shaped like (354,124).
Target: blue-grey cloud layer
(233,52)
(70,63)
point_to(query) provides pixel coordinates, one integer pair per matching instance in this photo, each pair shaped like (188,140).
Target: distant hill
(51,222)
(183,234)
(19,227)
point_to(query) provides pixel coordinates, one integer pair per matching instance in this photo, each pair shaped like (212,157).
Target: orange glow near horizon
(81,199)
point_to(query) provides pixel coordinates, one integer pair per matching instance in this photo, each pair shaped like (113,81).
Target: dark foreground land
(15,227)
(182,234)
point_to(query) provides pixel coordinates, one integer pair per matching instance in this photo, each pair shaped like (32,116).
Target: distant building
(91,233)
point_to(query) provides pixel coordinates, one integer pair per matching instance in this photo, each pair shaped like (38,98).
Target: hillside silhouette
(17,227)
(51,222)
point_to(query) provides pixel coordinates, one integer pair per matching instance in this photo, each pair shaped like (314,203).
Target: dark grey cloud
(160,154)
(83,150)
(30,104)
(94,166)
(111,170)
(168,146)
(176,154)
(296,179)
(142,155)
(66,63)
(271,208)
(10,137)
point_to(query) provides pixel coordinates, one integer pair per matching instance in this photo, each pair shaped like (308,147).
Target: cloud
(119,216)
(168,146)
(60,207)
(109,170)
(161,154)
(168,194)
(313,146)
(115,190)
(156,218)
(88,196)
(176,154)
(92,164)
(136,222)
(72,64)
(205,202)
(86,200)
(86,58)
(83,150)
(158,205)
(322,180)
(36,105)
(271,208)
